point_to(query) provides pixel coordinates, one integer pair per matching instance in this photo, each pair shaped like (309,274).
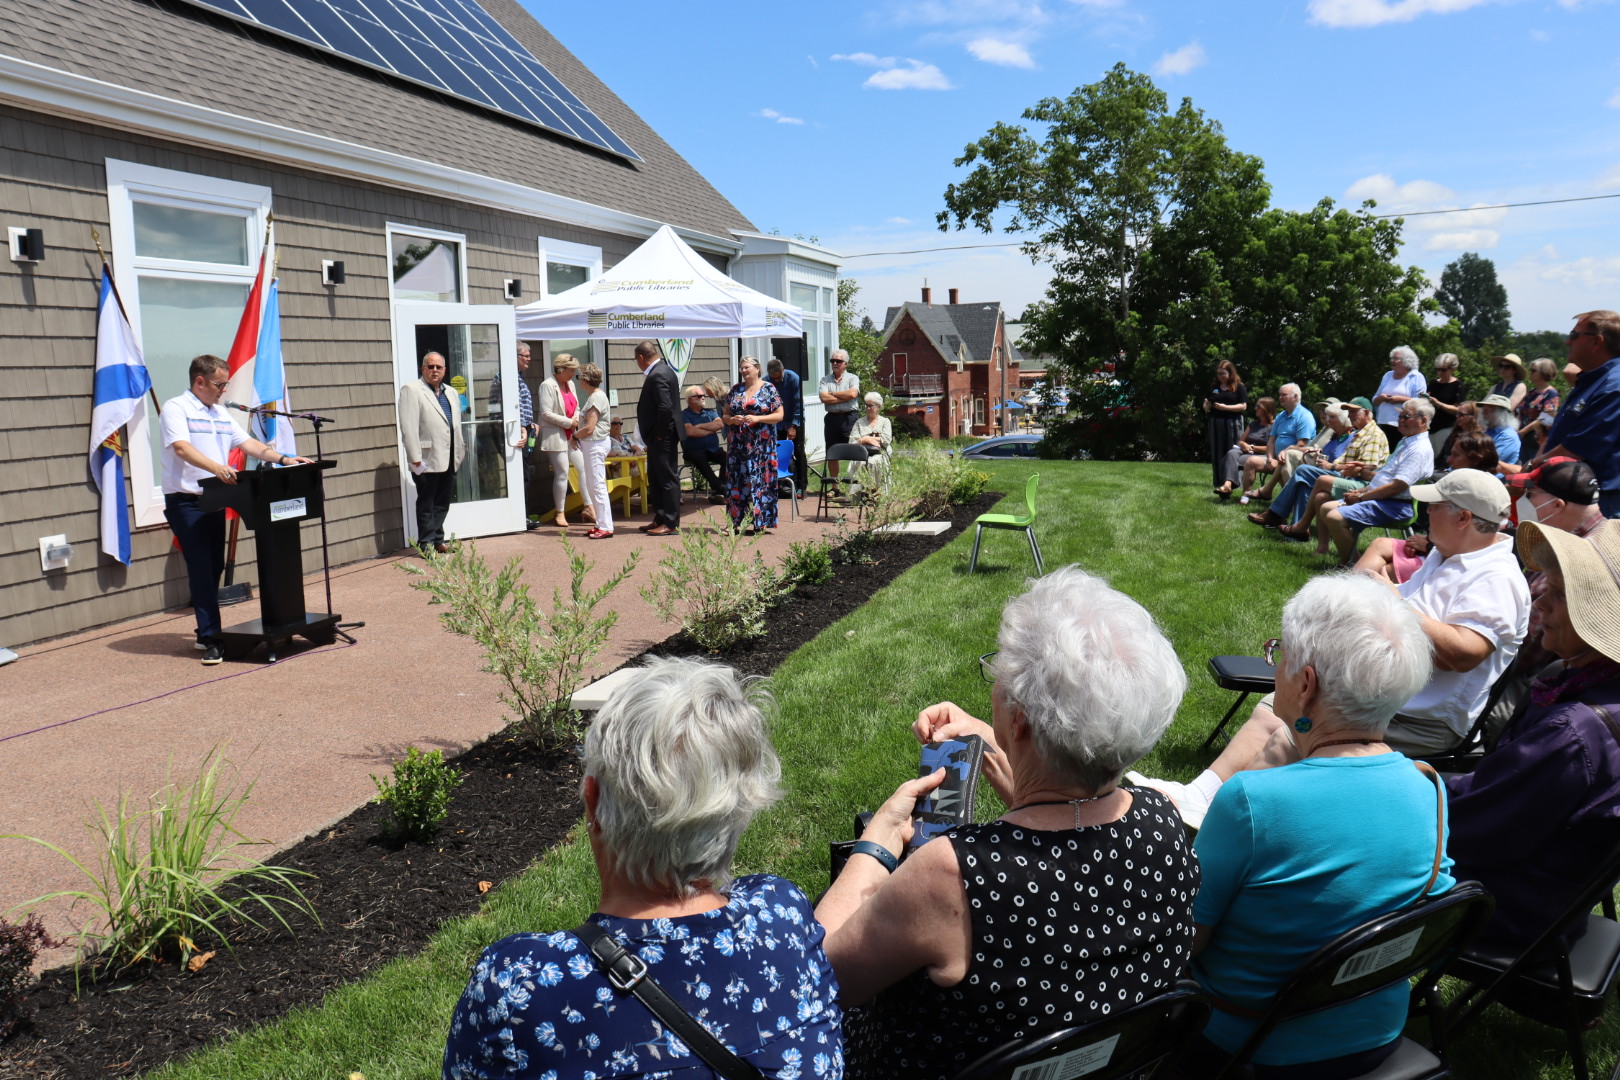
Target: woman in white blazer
(560,412)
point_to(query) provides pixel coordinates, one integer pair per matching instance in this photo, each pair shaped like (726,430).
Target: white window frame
(129,182)
(458,239)
(562,251)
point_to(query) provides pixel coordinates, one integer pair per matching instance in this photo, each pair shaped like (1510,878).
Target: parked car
(1003,446)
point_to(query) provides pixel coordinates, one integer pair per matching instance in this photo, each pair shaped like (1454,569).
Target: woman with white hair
(1075,902)
(874,432)
(1318,827)
(676,764)
(1402,382)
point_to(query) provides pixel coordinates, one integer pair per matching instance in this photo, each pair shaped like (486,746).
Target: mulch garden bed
(379,901)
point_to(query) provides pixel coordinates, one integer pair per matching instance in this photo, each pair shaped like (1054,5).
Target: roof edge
(49,90)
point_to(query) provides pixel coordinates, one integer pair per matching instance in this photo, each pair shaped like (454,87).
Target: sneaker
(213,654)
(200,645)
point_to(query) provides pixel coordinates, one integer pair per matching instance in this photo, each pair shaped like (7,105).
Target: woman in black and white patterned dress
(1076,902)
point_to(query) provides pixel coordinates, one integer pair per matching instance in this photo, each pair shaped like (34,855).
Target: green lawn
(846,701)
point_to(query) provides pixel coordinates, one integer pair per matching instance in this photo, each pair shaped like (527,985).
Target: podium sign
(272,502)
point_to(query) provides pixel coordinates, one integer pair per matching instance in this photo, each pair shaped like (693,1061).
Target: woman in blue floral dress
(676,763)
(752,410)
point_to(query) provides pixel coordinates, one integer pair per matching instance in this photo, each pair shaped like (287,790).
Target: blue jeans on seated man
(1290,503)
(1376,512)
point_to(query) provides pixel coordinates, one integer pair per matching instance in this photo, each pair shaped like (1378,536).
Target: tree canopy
(1470,293)
(1167,260)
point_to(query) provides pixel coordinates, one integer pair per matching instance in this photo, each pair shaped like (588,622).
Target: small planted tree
(541,656)
(418,796)
(714,587)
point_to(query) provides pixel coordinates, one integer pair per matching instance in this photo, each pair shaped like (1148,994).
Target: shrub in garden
(709,583)
(164,869)
(20,945)
(969,485)
(540,656)
(418,797)
(808,562)
(923,483)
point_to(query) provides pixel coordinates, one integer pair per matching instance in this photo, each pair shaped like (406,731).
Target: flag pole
(95,234)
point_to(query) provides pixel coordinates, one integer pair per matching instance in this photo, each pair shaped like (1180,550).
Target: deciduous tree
(1470,293)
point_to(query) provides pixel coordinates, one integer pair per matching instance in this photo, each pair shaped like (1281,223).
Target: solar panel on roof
(449,45)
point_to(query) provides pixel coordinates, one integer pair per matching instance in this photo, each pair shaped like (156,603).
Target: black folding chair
(854,452)
(1131,1042)
(1559,979)
(1420,940)
(1466,754)
(1245,674)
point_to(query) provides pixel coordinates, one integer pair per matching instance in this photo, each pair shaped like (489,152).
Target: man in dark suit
(658,416)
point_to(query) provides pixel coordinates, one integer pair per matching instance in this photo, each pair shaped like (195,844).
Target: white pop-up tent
(663,289)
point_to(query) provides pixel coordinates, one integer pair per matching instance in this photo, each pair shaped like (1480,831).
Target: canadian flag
(257,374)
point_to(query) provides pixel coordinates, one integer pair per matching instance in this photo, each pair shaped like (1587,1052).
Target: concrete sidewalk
(85,715)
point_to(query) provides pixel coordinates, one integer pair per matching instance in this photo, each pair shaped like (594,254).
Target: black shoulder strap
(626,971)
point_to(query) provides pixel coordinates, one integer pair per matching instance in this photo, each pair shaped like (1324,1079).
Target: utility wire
(1376,217)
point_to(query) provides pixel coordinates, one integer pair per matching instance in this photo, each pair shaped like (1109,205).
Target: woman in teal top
(1328,828)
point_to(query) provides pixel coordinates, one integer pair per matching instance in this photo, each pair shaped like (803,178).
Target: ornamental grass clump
(541,656)
(710,583)
(418,796)
(173,869)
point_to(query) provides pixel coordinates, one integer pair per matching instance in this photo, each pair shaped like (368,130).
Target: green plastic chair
(1406,528)
(1026,522)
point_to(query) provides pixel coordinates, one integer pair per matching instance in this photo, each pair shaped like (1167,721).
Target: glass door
(479,346)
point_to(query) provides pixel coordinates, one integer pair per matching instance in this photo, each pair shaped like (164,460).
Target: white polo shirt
(212,431)
(1486,592)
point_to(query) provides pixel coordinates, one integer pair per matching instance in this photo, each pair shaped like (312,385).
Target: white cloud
(1005,53)
(1540,36)
(916,76)
(969,12)
(772,114)
(897,221)
(1181,61)
(1588,272)
(812,61)
(1415,195)
(1358,13)
(866,59)
(1614,102)
(1466,240)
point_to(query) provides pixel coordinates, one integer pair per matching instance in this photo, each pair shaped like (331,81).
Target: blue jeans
(202,542)
(1296,495)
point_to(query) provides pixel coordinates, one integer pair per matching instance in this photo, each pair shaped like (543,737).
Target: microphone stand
(317,422)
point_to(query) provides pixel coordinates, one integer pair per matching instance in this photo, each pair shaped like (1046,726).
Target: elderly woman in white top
(591,436)
(874,432)
(943,950)
(559,414)
(1402,382)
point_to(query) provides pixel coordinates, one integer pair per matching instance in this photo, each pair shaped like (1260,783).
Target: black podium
(272,502)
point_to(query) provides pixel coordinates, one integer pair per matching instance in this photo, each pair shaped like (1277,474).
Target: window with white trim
(427,266)
(185,249)
(563,266)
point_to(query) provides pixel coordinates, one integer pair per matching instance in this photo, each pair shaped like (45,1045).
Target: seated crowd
(1086,896)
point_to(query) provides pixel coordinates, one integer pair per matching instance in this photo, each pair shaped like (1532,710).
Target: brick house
(949,365)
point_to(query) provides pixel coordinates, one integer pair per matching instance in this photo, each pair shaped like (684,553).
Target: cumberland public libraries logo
(642,285)
(609,321)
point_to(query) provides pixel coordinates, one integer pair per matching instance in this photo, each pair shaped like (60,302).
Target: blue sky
(841,120)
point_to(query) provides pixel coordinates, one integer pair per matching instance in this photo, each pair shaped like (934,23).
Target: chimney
(928,295)
(952,295)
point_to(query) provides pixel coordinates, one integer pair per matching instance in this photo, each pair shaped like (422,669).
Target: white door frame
(487,517)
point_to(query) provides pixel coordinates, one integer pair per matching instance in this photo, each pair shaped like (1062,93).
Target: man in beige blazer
(429,415)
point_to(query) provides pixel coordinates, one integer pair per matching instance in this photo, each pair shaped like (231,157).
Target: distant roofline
(38,88)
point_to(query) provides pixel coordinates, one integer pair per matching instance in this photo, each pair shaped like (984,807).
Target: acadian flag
(122,382)
(256,371)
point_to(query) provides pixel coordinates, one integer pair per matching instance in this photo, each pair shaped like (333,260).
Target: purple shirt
(1543,807)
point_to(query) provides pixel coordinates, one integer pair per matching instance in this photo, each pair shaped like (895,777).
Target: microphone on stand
(239,407)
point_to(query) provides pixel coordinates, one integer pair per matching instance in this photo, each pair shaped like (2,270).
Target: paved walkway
(113,707)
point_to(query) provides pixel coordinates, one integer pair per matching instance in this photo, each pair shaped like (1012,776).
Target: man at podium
(198,437)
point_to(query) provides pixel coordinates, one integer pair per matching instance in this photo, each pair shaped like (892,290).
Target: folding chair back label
(1087,1059)
(1378,957)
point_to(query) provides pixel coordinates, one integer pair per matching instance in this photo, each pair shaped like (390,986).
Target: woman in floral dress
(751,411)
(676,763)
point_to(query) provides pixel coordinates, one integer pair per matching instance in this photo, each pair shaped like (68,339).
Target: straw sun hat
(1591,569)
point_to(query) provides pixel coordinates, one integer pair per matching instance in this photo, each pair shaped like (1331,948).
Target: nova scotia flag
(122,382)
